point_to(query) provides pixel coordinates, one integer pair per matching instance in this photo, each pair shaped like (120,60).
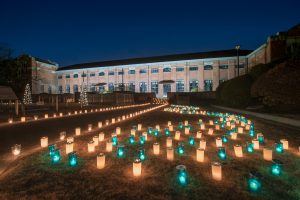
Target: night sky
(71,32)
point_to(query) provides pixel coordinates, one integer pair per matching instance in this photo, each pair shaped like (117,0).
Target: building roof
(6,93)
(44,61)
(166,58)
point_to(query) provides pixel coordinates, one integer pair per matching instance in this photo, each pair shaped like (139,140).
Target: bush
(235,92)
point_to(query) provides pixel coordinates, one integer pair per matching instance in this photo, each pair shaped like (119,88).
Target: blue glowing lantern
(73,159)
(249,147)
(279,147)
(134,127)
(222,153)
(142,140)
(156,132)
(189,126)
(276,168)
(150,130)
(131,139)
(121,151)
(182,175)
(224,139)
(229,133)
(51,149)
(114,140)
(55,157)
(142,155)
(167,131)
(222,125)
(191,141)
(261,139)
(254,181)
(251,133)
(180,148)
(181,125)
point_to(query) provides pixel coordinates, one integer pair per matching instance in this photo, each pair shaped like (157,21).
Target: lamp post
(237,47)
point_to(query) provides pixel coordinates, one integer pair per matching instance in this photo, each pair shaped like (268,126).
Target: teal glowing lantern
(181,125)
(222,125)
(254,181)
(251,133)
(114,140)
(51,149)
(261,139)
(182,175)
(191,141)
(167,132)
(142,140)
(229,133)
(249,147)
(224,139)
(55,157)
(276,167)
(279,147)
(134,127)
(156,132)
(222,153)
(150,130)
(180,148)
(131,139)
(142,155)
(73,159)
(121,151)
(189,126)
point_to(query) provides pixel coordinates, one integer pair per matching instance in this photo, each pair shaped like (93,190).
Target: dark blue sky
(76,31)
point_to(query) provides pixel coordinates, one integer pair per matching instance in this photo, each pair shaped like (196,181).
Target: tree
(27,99)
(83,100)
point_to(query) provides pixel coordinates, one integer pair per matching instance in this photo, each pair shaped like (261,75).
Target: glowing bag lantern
(96,140)
(121,151)
(70,139)
(285,143)
(145,134)
(219,142)
(142,140)
(202,144)
(73,159)
(156,148)
(224,139)
(131,139)
(276,167)
(170,153)
(182,175)
(137,167)
(180,148)
(249,147)
(279,147)
(100,161)
(118,130)
(186,130)
(141,154)
(101,137)
(44,141)
(169,123)
(268,154)
(139,127)
(238,150)
(77,131)
(233,135)
(171,128)
(62,135)
(216,171)
(222,153)
(177,135)
(91,146)
(254,181)
(191,140)
(157,127)
(255,143)
(186,122)
(167,132)
(200,155)
(69,147)
(55,157)
(202,127)
(109,146)
(210,131)
(90,127)
(169,142)
(99,124)
(199,134)
(16,149)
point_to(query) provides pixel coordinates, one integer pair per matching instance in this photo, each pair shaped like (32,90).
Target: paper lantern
(228,124)
(191,141)
(233,135)
(69,147)
(114,140)
(90,127)
(261,139)
(249,147)
(217,127)
(181,125)
(171,128)
(132,132)
(199,134)
(251,133)
(216,171)
(16,149)
(240,130)
(70,139)
(101,137)
(255,143)
(157,127)
(73,159)
(224,139)
(268,154)
(62,135)
(137,167)
(60,114)
(51,149)
(44,141)
(145,134)
(55,157)
(150,130)
(182,175)
(10,120)
(118,130)
(69,113)
(186,130)
(285,143)
(202,144)
(156,148)
(200,155)
(169,142)
(35,117)
(46,116)
(177,135)
(218,142)
(121,151)
(131,139)
(247,127)
(139,127)
(96,140)
(170,153)
(210,131)
(276,167)
(211,122)
(85,111)
(106,122)
(222,153)
(123,117)
(75,112)
(91,146)
(167,132)
(113,120)
(180,148)
(254,181)
(169,123)
(23,119)
(77,131)
(99,124)
(142,140)
(279,147)
(101,160)
(238,150)
(232,126)
(109,146)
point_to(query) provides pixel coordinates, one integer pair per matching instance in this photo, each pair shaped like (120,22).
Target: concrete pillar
(17,107)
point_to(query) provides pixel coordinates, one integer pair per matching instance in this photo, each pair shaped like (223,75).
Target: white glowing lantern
(101,137)
(255,143)
(169,142)
(169,123)
(234,135)
(268,154)
(10,120)
(96,140)
(243,124)
(62,135)
(23,119)
(228,124)
(285,143)
(157,127)
(113,120)
(109,146)
(211,122)
(106,122)
(156,148)
(145,134)
(139,128)
(210,131)
(186,130)
(118,130)
(202,144)
(100,161)
(16,149)
(44,141)
(123,117)
(137,167)
(200,155)
(132,132)
(75,112)
(186,122)
(46,116)
(232,126)
(69,147)
(219,142)
(200,120)
(80,111)
(91,146)
(177,135)
(85,111)
(99,124)
(170,153)
(60,114)
(35,117)
(216,170)
(69,113)
(130,115)
(70,139)
(238,150)
(171,128)
(202,127)
(217,127)
(247,127)
(77,131)
(90,127)
(199,134)
(240,130)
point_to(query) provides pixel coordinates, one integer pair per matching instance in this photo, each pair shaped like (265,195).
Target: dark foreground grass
(34,177)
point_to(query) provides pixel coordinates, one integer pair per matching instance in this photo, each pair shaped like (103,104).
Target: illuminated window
(208,85)
(193,86)
(179,86)
(143,87)
(154,87)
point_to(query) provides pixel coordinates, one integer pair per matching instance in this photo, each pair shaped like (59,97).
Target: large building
(162,74)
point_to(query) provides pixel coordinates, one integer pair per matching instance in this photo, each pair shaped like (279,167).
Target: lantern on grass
(131,139)
(268,154)
(202,144)
(199,134)
(186,122)
(157,127)
(113,120)
(77,131)
(70,139)
(156,148)
(254,181)
(240,130)
(99,124)
(285,143)
(238,150)
(249,147)
(186,130)
(210,131)
(141,153)
(202,126)
(260,138)
(121,151)
(182,175)
(16,149)
(35,117)
(73,159)
(171,128)
(156,132)
(137,167)
(55,157)
(200,155)
(44,141)
(23,119)
(145,134)
(177,135)
(142,140)
(100,161)
(170,153)
(218,142)
(139,127)
(91,146)
(106,122)
(276,167)
(96,140)
(150,130)
(279,147)
(251,133)
(46,116)
(169,142)
(211,122)
(69,147)
(118,130)
(191,141)
(62,135)
(255,143)
(132,131)
(90,127)
(101,136)
(114,140)
(167,132)
(169,123)
(222,153)
(181,125)
(180,148)
(10,120)
(216,171)
(224,139)
(233,135)
(109,146)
